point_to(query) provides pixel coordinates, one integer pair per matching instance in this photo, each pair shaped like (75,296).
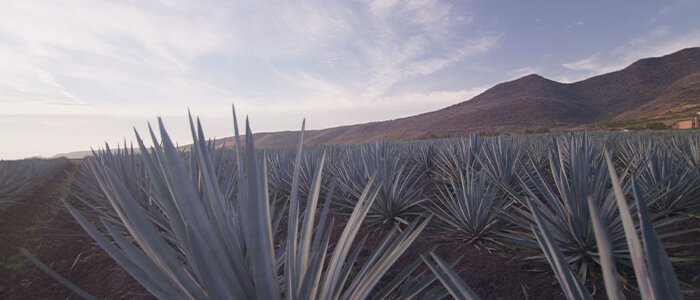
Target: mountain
(647,80)
(73,155)
(648,88)
(682,95)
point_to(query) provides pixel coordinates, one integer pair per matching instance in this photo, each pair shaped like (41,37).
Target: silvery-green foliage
(312,159)
(400,184)
(457,156)
(580,176)
(501,159)
(693,155)
(655,275)
(423,156)
(223,248)
(281,169)
(280,164)
(128,165)
(633,150)
(688,147)
(19,178)
(457,288)
(16,180)
(578,173)
(467,209)
(669,184)
(537,149)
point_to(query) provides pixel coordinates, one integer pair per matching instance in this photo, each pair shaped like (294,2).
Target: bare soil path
(40,225)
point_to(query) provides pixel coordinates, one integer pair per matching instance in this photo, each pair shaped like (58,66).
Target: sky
(76,74)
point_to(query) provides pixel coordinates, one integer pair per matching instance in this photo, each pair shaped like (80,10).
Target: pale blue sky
(76,73)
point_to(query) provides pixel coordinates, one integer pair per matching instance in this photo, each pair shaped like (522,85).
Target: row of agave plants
(252,224)
(18,178)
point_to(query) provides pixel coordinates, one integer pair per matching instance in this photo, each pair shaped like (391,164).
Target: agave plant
(467,209)
(578,173)
(224,248)
(16,180)
(311,160)
(693,153)
(686,146)
(668,184)
(129,167)
(631,151)
(125,163)
(456,158)
(502,161)
(538,150)
(423,157)
(280,164)
(400,191)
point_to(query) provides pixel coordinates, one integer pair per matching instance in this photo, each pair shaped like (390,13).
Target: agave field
(593,210)
(20,177)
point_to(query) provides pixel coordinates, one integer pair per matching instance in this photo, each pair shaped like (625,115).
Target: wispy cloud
(575,23)
(671,9)
(96,54)
(417,38)
(592,64)
(656,42)
(113,55)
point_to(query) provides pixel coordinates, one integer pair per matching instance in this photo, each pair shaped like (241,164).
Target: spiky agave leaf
(655,276)
(57,276)
(454,285)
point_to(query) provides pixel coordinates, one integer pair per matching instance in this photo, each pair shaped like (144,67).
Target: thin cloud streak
(157,43)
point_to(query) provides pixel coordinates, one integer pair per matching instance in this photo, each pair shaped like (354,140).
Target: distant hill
(648,88)
(74,155)
(682,95)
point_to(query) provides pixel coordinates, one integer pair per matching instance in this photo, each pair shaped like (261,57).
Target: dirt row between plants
(49,232)
(40,225)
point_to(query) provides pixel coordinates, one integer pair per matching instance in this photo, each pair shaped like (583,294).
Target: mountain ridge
(527,102)
(648,87)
